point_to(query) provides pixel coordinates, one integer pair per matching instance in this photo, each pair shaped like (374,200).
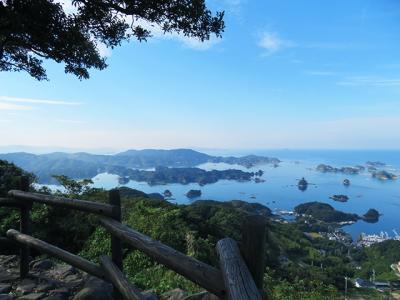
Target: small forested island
(302,184)
(376,164)
(166,175)
(193,194)
(324,212)
(371,216)
(384,175)
(346,182)
(345,170)
(247,161)
(167,194)
(123,180)
(340,198)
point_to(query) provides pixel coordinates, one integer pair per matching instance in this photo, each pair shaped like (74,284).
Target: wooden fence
(241,272)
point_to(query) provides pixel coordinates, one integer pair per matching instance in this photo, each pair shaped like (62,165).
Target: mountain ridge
(86,165)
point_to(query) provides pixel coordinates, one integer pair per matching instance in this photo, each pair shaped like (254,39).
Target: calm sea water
(279,191)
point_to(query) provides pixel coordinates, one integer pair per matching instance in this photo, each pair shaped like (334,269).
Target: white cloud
(35,101)
(11,106)
(272,43)
(188,42)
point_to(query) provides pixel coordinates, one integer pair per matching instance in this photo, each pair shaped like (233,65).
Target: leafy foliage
(32,30)
(297,266)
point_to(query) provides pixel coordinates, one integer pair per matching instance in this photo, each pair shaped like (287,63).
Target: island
(247,161)
(166,175)
(324,212)
(123,180)
(345,170)
(340,198)
(167,194)
(346,182)
(384,175)
(302,184)
(193,194)
(375,164)
(371,216)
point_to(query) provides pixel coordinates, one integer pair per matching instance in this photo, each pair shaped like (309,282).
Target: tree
(33,30)
(74,187)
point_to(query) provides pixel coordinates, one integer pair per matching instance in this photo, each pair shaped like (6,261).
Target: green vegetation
(378,257)
(298,266)
(324,212)
(73,38)
(165,175)
(84,165)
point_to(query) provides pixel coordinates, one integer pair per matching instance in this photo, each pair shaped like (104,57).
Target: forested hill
(86,165)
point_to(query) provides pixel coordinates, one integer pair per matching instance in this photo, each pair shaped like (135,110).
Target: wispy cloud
(375,81)
(35,101)
(272,42)
(12,106)
(188,42)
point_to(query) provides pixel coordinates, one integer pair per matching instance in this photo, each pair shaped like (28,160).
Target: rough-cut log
(88,206)
(25,227)
(116,243)
(204,275)
(254,232)
(56,252)
(127,290)
(239,283)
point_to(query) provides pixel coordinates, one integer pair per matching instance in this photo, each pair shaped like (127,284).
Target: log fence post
(116,243)
(25,227)
(254,232)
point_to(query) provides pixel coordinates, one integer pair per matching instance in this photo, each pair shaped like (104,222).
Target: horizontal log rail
(204,275)
(117,278)
(82,205)
(238,280)
(43,247)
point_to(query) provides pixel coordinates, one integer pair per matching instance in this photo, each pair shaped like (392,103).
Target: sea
(279,191)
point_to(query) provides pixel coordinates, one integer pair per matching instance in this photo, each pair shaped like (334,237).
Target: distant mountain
(86,165)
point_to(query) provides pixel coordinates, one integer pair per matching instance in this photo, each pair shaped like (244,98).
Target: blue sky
(286,74)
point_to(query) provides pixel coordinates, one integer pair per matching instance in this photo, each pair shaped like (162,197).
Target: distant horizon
(110,151)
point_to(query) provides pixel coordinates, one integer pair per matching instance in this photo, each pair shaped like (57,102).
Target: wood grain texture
(88,206)
(204,275)
(56,252)
(127,290)
(254,233)
(238,281)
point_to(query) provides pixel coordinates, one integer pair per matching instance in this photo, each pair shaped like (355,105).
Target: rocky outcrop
(47,280)
(51,281)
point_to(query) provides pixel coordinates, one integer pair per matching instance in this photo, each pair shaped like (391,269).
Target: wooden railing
(240,275)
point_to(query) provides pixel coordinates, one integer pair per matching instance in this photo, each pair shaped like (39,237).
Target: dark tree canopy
(33,30)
